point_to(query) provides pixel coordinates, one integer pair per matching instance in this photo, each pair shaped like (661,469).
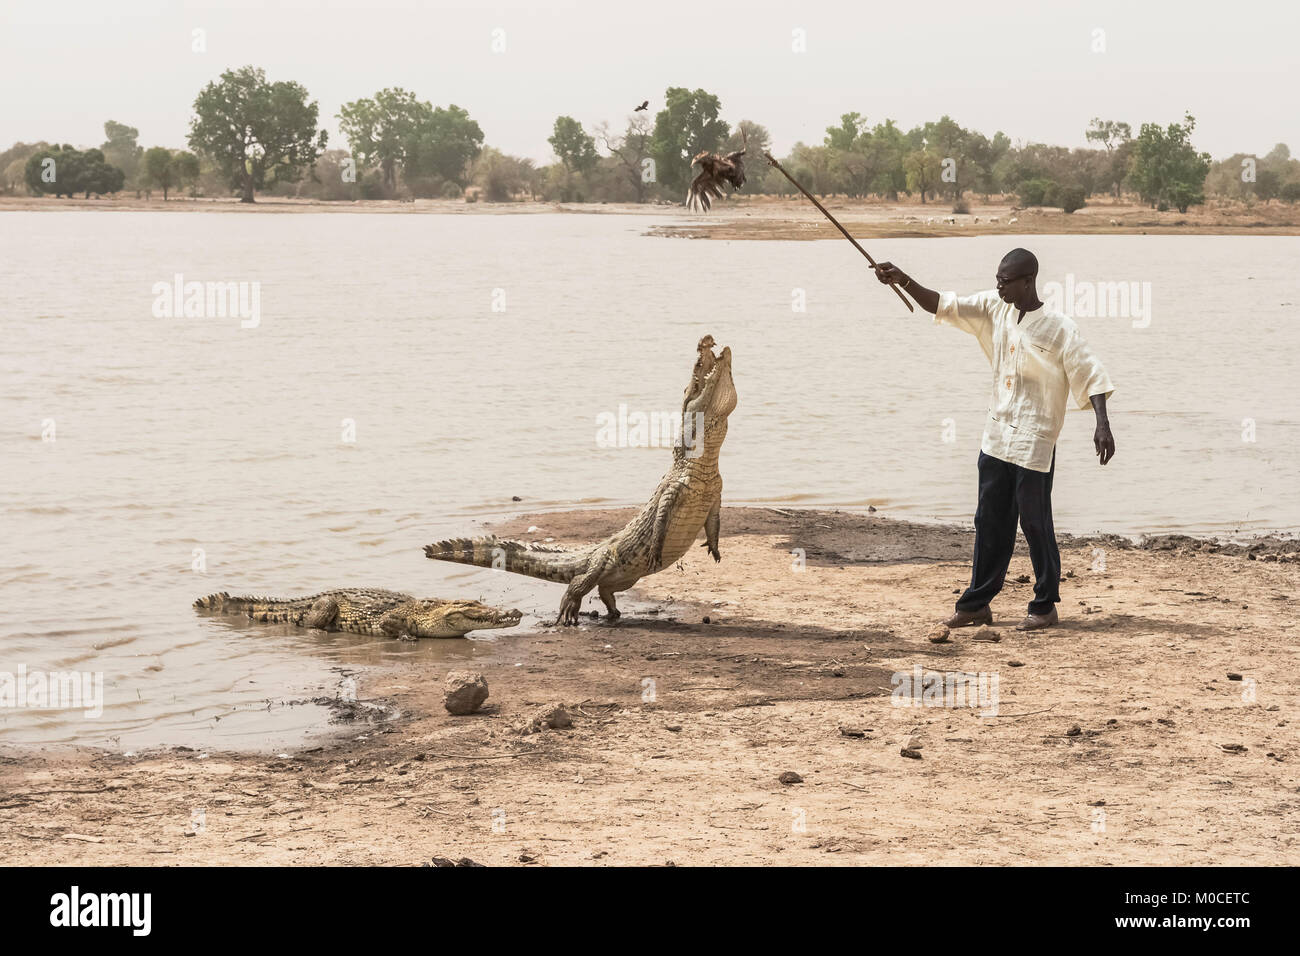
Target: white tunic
(1037,365)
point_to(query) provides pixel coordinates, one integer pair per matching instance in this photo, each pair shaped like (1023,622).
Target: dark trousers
(1009,493)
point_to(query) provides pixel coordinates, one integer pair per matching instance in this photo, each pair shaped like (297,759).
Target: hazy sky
(1027,69)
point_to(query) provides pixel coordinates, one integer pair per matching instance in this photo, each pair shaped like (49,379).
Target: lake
(406,375)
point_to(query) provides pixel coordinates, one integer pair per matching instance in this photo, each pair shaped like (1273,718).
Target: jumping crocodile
(367,611)
(688,499)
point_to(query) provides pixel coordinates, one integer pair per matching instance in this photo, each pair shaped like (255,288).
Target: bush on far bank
(1046,192)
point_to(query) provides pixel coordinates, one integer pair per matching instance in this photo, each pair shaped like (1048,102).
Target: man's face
(1012,281)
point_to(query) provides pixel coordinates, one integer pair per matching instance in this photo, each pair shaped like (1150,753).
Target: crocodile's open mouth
(492,618)
(718,396)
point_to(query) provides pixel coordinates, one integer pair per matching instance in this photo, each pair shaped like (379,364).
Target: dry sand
(1116,739)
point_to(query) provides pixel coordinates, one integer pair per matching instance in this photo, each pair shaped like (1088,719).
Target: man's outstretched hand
(1104,442)
(890,274)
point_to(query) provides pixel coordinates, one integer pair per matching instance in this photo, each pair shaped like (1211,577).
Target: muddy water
(405,376)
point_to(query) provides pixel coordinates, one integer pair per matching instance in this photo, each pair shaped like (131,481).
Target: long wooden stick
(836,224)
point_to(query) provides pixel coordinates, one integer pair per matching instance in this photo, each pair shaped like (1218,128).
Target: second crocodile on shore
(367,611)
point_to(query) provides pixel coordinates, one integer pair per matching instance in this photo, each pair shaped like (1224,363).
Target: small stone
(1022,579)
(1232,676)
(871,509)
(1015,663)
(852,732)
(790,777)
(706,619)
(1074,731)
(464,692)
(550,717)
(910,753)
(939,634)
(1069,574)
(1234,748)
(674,728)
(986,633)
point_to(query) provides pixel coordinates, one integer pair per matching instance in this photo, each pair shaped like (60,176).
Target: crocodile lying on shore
(367,611)
(688,499)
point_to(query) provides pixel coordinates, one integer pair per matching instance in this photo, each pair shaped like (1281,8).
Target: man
(1039,361)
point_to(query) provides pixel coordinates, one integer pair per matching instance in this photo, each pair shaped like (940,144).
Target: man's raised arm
(927,299)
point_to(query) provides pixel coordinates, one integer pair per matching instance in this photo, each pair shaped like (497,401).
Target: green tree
(855,156)
(815,168)
(982,158)
(1109,133)
(257,133)
(99,176)
(574,148)
(1116,138)
(502,176)
(170,169)
(890,143)
(686,126)
(71,172)
(842,137)
(13,164)
(1166,169)
(923,167)
(43,169)
(946,139)
(443,146)
(121,150)
(381,129)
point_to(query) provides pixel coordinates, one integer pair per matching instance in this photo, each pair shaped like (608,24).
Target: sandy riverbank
(788,662)
(776,218)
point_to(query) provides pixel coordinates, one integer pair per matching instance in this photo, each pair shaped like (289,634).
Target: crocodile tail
(534,560)
(258,608)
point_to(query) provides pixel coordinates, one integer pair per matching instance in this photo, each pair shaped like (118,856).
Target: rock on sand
(464,692)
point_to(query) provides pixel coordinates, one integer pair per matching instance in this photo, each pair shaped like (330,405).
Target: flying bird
(714,171)
(644,105)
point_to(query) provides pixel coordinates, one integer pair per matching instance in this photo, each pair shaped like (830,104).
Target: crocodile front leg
(712,525)
(663,511)
(581,583)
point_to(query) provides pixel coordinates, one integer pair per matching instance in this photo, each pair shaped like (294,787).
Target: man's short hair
(1022,261)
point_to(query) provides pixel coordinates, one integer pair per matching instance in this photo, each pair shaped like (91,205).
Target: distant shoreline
(765,217)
